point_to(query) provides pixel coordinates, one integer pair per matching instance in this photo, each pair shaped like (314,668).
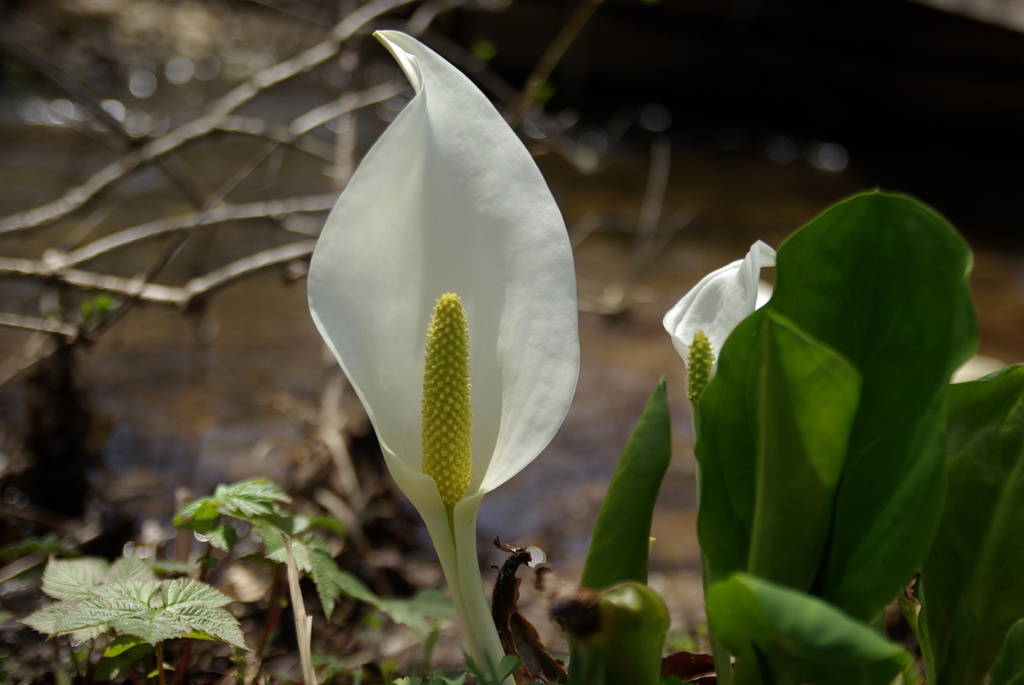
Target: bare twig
(139,288)
(316,21)
(654,200)
(34,323)
(349,102)
(552,56)
(76,197)
(81,92)
(31,352)
(427,12)
(225,212)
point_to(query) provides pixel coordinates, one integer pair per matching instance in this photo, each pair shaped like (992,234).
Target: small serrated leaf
(244,500)
(95,611)
(45,620)
(181,592)
(217,623)
(73,579)
(202,509)
(250,498)
(325,578)
(165,566)
(142,592)
(153,625)
(128,568)
(325,522)
(223,536)
(273,541)
(256,489)
(90,633)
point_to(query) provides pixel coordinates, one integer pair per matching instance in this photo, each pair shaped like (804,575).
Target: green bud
(617,635)
(447,427)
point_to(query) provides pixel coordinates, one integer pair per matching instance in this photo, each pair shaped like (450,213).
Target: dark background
(925,101)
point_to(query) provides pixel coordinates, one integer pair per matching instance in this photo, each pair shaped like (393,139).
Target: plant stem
(159,649)
(186,652)
(303,622)
(273,613)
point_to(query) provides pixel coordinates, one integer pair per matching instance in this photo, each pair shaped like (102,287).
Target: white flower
(721,301)
(449,201)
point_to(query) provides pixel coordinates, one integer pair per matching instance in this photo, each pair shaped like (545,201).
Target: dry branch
(221,109)
(138,288)
(34,323)
(222,213)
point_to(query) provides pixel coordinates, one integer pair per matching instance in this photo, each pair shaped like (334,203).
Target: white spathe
(720,301)
(449,200)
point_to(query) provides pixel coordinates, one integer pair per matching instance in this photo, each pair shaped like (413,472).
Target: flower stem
(471,603)
(455,542)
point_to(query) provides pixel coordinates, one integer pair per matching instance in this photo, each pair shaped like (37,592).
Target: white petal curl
(449,200)
(720,301)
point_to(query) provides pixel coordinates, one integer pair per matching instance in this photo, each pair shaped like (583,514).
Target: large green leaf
(807,402)
(972,582)
(726,451)
(880,279)
(620,543)
(883,280)
(784,636)
(1009,667)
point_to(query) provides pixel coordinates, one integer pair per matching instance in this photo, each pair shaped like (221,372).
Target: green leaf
(73,579)
(129,568)
(246,500)
(184,592)
(273,541)
(197,605)
(210,623)
(421,612)
(620,544)
(881,280)
(149,623)
(144,593)
(781,635)
(169,567)
(807,402)
(250,498)
(110,666)
(146,609)
(1009,667)
(972,583)
(46,545)
(47,619)
(121,644)
(331,582)
(223,537)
